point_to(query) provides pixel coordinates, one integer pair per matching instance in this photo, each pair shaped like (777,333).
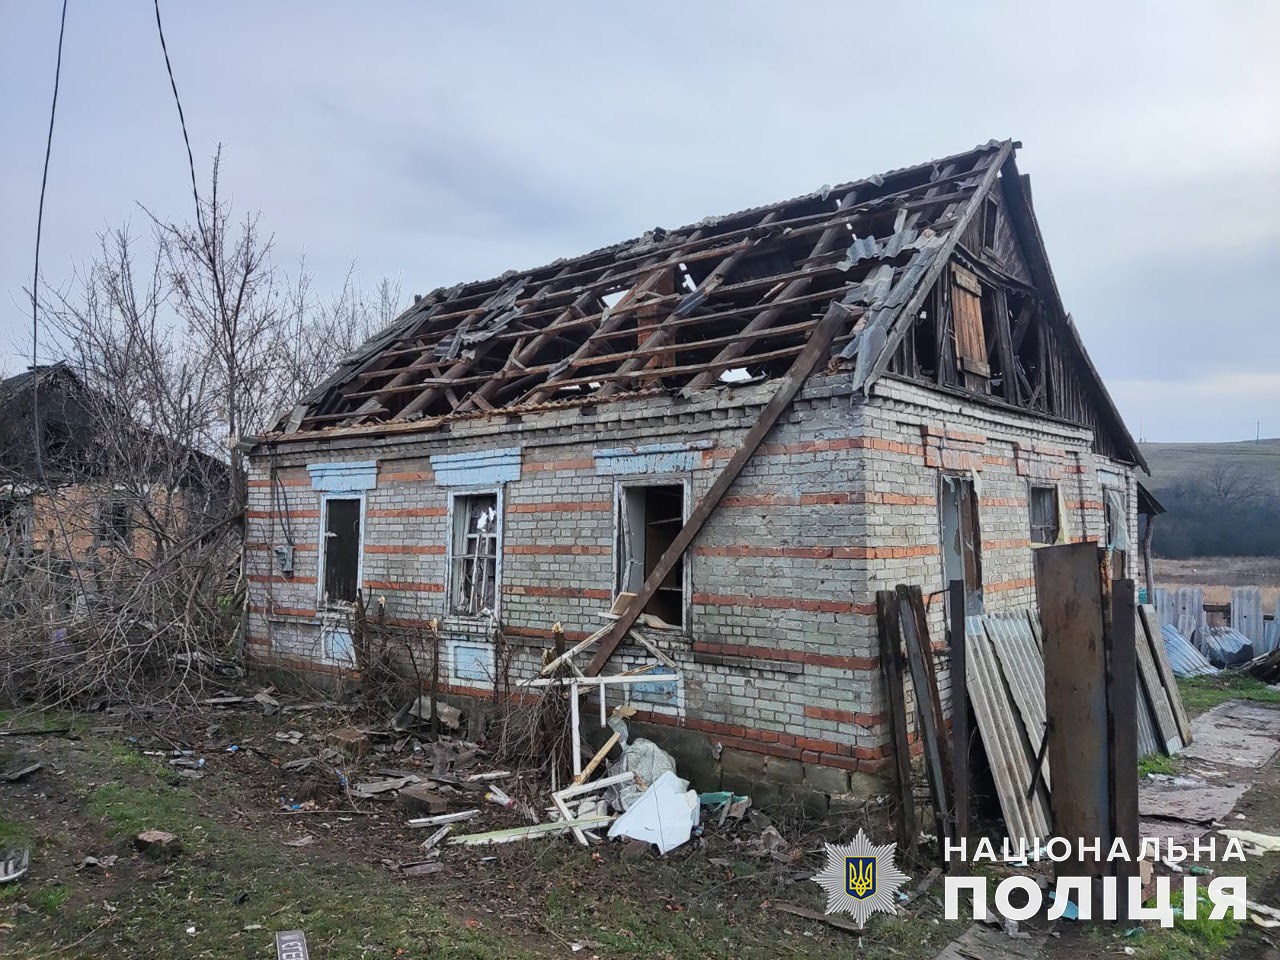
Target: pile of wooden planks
(903,622)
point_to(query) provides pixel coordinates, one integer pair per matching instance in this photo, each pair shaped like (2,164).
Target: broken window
(1044,515)
(971,340)
(15,529)
(990,223)
(474,568)
(1115,501)
(115,522)
(961,538)
(341,549)
(649,517)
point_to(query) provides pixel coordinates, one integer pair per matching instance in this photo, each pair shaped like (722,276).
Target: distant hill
(1223,498)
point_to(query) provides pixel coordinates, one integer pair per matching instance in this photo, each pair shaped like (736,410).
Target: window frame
(111,535)
(1052,488)
(990,224)
(17,523)
(620,486)
(450,571)
(323,549)
(972,608)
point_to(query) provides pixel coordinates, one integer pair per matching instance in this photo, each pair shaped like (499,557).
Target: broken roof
(728,299)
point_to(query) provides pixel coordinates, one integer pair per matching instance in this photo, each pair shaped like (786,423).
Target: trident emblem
(861,879)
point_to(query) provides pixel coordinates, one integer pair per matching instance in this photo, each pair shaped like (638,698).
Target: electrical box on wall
(284,557)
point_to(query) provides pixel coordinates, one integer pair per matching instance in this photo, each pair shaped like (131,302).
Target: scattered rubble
(664,815)
(156,840)
(14,776)
(98,863)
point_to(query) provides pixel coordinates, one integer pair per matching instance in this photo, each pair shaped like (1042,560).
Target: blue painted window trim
(484,468)
(348,477)
(650,458)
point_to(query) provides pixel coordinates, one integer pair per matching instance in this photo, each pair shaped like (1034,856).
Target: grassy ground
(235,880)
(1204,693)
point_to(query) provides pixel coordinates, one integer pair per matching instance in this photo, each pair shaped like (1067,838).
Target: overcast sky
(436,143)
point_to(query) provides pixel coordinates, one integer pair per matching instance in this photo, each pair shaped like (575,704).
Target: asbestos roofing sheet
(1022,666)
(1148,742)
(1188,798)
(1009,753)
(1235,733)
(1153,704)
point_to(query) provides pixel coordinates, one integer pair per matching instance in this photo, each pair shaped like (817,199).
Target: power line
(37,438)
(44,183)
(191,163)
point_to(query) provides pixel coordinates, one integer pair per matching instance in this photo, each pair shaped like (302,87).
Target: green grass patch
(49,899)
(1196,939)
(130,810)
(1156,763)
(1200,694)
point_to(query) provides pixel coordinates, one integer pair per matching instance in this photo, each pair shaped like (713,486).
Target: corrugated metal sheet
(1007,689)
(1185,659)
(1224,646)
(1009,753)
(1022,665)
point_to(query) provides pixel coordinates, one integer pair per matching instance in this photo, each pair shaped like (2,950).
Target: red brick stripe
(557,549)
(282,611)
(407,511)
(789,656)
(785,603)
(1005,586)
(406,587)
(868,720)
(561,506)
(408,476)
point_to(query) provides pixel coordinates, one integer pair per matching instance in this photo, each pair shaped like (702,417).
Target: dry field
(1219,574)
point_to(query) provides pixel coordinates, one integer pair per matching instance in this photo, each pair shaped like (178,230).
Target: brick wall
(779,656)
(914,434)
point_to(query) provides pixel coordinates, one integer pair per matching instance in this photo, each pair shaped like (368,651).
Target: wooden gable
(993,326)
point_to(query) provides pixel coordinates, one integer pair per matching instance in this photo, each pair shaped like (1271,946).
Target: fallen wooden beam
(537,830)
(831,919)
(814,352)
(442,818)
(595,761)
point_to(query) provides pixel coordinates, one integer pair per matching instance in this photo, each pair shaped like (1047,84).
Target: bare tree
(1231,485)
(131,572)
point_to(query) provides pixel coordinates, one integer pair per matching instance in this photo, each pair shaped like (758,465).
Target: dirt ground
(1219,574)
(249,865)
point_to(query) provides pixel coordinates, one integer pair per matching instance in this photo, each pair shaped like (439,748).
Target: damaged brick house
(83,487)
(733,433)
